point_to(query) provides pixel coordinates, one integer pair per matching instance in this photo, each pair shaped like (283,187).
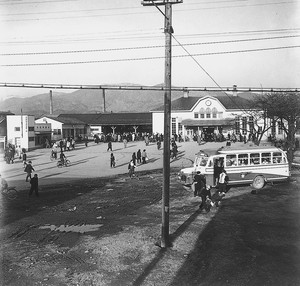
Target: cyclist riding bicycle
(62,157)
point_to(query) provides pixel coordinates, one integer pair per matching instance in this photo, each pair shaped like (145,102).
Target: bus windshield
(201,161)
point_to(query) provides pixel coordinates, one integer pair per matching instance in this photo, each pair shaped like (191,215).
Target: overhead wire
(142,47)
(207,73)
(144,12)
(148,58)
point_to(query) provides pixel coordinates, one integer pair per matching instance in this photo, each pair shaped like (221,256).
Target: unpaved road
(104,231)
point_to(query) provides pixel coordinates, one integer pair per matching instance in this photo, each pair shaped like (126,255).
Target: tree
(283,108)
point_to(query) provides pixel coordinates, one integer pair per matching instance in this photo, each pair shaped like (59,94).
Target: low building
(20,131)
(3,129)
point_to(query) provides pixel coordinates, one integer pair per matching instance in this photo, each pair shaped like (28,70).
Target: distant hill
(87,101)
(91,101)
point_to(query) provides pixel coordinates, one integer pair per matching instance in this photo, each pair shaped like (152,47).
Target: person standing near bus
(223,179)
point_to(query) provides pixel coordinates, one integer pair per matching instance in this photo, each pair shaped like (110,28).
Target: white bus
(254,166)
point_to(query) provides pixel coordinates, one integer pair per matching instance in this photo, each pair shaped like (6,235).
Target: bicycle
(53,156)
(65,163)
(10,192)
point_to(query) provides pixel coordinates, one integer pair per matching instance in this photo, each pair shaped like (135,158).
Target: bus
(253,166)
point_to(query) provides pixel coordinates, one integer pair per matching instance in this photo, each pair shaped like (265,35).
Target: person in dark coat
(112,160)
(199,183)
(34,185)
(109,146)
(139,156)
(28,169)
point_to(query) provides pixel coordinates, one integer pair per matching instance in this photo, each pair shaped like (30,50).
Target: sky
(248,43)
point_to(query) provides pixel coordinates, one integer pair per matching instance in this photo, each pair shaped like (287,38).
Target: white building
(206,115)
(20,131)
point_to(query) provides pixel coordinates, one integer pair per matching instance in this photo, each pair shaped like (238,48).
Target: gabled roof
(228,101)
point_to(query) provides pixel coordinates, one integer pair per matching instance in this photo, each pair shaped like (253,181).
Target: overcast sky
(250,43)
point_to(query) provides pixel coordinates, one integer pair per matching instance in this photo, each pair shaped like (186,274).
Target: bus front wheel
(258,182)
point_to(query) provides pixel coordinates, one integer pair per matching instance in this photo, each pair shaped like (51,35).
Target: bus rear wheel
(258,182)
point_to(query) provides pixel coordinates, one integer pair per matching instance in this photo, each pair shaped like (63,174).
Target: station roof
(228,101)
(139,118)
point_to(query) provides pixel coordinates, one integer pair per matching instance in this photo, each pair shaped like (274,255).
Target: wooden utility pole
(168,30)
(104,103)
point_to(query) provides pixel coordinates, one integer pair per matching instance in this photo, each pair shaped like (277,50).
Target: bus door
(214,167)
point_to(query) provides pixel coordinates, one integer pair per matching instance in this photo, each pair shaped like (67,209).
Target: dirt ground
(106,231)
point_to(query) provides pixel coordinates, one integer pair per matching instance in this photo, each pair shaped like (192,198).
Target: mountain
(91,101)
(87,101)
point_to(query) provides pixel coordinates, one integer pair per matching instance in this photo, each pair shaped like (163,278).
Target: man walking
(34,185)
(28,169)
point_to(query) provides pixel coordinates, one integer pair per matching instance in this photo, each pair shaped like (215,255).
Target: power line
(146,58)
(150,12)
(142,47)
(138,36)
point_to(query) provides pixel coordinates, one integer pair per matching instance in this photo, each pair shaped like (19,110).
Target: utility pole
(168,30)
(104,103)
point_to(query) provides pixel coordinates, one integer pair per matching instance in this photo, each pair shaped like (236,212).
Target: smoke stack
(234,90)
(51,103)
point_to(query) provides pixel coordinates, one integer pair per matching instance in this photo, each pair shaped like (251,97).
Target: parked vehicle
(254,166)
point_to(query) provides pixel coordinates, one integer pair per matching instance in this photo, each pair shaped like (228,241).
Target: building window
(251,125)
(17,128)
(237,125)
(30,128)
(179,127)
(280,128)
(208,112)
(202,112)
(244,125)
(214,112)
(173,126)
(196,115)
(30,139)
(56,132)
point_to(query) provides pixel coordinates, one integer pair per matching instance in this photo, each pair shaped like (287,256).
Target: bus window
(277,157)
(266,158)
(254,159)
(231,160)
(243,159)
(210,163)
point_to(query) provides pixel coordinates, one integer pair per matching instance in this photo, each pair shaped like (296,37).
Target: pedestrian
(112,160)
(223,180)
(28,169)
(73,143)
(24,157)
(144,156)
(125,142)
(139,156)
(86,140)
(199,183)
(68,144)
(134,158)
(109,146)
(19,152)
(131,169)
(34,185)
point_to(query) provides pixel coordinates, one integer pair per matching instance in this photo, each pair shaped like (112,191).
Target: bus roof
(248,149)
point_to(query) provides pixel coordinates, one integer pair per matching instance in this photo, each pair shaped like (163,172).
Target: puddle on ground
(73,228)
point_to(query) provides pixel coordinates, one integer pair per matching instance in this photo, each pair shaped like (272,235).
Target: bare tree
(282,107)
